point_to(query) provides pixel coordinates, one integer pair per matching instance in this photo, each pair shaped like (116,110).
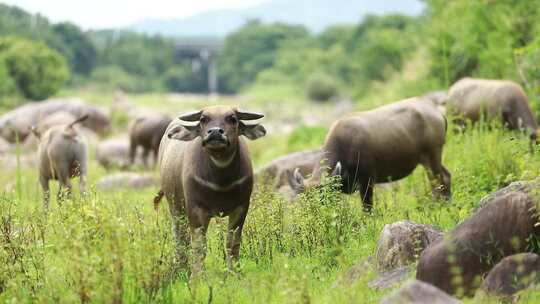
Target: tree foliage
(36,70)
(252,49)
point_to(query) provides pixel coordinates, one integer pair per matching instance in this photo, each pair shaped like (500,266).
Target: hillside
(314,14)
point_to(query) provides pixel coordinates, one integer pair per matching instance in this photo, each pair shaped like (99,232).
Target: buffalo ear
(244,115)
(185,133)
(191,116)
(252,132)
(337,170)
(296,180)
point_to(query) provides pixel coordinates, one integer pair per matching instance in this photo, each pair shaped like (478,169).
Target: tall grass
(116,248)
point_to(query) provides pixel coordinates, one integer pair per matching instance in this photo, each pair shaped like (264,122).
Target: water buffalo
(147,132)
(382,145)
(62,155)
(504,226)
(473,99)
(276,171)
(19,121)
(206,171)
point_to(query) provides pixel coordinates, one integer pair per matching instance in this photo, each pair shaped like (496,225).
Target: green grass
(113,247)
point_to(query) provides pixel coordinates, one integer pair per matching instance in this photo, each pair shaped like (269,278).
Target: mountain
(315,14)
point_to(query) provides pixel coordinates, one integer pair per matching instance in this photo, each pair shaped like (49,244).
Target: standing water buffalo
(382,145)
(206,172)
(474,98)
(62,155)
(147,132)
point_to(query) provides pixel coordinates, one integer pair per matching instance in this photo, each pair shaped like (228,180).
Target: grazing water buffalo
(276,171)
(20,120)
(504,226)
(206,171)
(474,98)
(382,145)
(147,132)
(62,155)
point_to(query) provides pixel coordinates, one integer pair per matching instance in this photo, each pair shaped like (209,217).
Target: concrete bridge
(202,52)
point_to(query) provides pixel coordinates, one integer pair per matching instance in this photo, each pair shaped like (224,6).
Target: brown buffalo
(382,145)
(17,123)
(146,132)
(62,155)
(504,226)
(473,99)
(277,170)
(206,171)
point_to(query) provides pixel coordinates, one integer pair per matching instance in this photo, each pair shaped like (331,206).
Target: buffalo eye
(204,120)
(232,120)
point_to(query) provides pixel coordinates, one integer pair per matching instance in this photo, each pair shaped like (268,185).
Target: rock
(512,274)
(126,180)
(114,153)
(519,186)
(26,160)
(390,278)
(5,146)
(354,273)
(417,292)
(401,243)
(505,225)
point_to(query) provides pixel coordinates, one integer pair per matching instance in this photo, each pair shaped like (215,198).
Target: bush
(304,137)
(321,87)
(114,77)
(38,71)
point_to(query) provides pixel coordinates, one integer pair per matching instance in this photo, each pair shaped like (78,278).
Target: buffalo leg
(146,153)
(198,222)
(132,152)
(46,192)
(64,189)
(366,195)
(440,177)
(234,236)
(180,233)
(82,176)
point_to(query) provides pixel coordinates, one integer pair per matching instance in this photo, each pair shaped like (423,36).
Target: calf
(206,171)
(382,145)
(62,155)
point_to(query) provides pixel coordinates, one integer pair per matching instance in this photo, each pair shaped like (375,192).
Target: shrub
(115,77)
(321,87)
(304,137)
(38,71)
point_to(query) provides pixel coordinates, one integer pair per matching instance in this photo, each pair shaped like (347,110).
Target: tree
(252,49)
(76,47)
(37,71)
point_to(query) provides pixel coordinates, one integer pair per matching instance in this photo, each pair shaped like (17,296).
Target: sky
(99,14)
